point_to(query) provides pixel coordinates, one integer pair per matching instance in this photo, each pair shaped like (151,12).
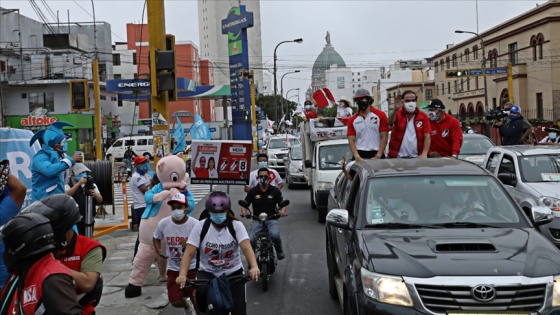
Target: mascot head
(171,172)
(53,137)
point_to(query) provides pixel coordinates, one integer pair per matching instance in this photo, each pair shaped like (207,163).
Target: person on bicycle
(265,198)
(129,155)
(219,251)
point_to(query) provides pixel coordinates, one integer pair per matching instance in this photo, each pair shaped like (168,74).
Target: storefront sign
(38,117)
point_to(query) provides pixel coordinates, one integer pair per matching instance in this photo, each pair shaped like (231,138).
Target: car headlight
(294,169)
(271,156)
(386,289)
(551,202)
(556,292)
(324,186)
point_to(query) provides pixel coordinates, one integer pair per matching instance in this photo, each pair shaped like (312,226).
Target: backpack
(220,300)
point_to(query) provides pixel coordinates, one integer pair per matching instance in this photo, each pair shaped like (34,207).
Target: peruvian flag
(323,98)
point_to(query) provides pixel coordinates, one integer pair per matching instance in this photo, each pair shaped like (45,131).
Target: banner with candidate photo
(220,162)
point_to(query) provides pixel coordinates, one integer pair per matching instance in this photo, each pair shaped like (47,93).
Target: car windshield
(282,143)
(540,168)
(439,201)
(330,156)
(476,146)
(297,153)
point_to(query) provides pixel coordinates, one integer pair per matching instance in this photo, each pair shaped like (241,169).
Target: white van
(141,145)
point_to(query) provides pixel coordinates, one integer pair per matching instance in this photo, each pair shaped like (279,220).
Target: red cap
(140,160)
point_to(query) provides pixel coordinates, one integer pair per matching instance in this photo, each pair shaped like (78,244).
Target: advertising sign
(14,146)
(38,119)
(221,162)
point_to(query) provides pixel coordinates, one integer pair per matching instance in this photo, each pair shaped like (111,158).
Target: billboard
(220,162)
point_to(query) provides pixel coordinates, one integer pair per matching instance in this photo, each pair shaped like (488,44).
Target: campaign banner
(220,162)
(14,146)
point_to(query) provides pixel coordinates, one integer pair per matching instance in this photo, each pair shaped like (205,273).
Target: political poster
(14,147)
(220,162)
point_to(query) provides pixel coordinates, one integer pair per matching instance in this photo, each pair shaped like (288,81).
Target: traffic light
(246,74)
(246,114)
(456,73)
(170,46)
(165,72)
(79,95)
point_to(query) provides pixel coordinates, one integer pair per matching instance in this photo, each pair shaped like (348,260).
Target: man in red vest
(446,137)
(82,255)
(38,282)
(410,135)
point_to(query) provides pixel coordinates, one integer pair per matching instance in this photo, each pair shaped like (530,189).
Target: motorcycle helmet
(218,201)
(62,211)
(26,235)
(361,93)
(515,109)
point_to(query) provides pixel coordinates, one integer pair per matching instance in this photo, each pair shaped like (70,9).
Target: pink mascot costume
(173,180)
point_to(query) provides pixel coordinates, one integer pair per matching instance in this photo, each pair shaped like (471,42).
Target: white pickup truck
(323,148)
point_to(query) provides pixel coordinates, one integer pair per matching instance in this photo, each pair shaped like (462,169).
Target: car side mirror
(243,204)
(308,164)
(508,179)
(541,215)
(338,218)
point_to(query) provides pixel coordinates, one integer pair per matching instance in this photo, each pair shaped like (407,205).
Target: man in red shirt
(367,129)
(446,136)
(410,133)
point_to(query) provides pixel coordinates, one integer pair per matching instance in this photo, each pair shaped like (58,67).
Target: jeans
(128,163)
(273,231)
(138,216)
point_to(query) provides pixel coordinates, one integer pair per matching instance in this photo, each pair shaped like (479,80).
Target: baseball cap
(140,160)
(552,129)
(179,198)
(436,104)
(79,168)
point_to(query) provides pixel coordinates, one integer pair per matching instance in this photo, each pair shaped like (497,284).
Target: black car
(436,236)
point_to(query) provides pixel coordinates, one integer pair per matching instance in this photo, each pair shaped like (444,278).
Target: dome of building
(327,58)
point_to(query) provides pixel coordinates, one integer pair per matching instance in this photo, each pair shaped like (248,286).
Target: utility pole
(96,96)
(510,82)
(160,101)
(254,112)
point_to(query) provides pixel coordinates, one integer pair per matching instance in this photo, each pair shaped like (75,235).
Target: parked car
(277,149)
(141,145)
(531,174)
(487,259)
(474,147)
(293,165)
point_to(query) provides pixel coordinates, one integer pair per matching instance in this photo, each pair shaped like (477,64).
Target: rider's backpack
(220,300)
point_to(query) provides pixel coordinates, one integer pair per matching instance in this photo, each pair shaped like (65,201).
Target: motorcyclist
(82,255)
(552,138)
(265,198)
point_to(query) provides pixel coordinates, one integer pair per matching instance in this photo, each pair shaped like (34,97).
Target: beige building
(531,42)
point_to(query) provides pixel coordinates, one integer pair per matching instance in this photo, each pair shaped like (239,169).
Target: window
(102,97)
(134,58)
(443,89)
(441,65)
(141,141)
(468,84)
(437,90)
(119,103)
(540,46)
(129,143)
(448,87)
(113,98)
(117,76)
(462,85)
(475,52)
(454,60)
(467,53)
(540,111)
(429,95)
(44,100)
(150,141)
(476,83)
(506,165)
(512,49)
(447,64)
(492,162)
(116,59)
(436,67)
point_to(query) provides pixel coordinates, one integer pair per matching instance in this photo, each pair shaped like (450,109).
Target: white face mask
(410,107)
(178,214)
(552,135)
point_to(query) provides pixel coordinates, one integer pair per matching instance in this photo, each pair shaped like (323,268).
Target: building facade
(328,59)
(214,44)
(529,42)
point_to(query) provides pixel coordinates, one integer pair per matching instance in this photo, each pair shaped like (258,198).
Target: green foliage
(266,102)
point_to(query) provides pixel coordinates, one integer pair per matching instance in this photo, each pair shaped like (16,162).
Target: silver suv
(531,174)
(277,148)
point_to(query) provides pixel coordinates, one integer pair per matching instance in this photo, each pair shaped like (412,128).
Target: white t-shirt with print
(274,178)
(171,234)
(136,182)
(220,253)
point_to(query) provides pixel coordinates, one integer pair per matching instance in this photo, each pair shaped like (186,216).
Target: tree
(266,102)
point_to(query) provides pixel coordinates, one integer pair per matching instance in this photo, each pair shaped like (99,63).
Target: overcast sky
(367,34)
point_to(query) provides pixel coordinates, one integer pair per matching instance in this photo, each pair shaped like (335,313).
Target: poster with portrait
(220,162)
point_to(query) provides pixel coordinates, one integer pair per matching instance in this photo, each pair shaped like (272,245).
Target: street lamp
(282,90)
(486,127)
(288,98)
(299,41)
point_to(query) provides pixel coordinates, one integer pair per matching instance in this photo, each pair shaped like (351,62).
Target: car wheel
(321,215)
(313,205)
(331,274)
(108,157)
(148,156)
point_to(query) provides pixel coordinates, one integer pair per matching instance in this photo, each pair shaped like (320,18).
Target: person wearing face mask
(220,239)
(459,201)
(265,198)
(552,138)
(446,136)
(170,240)
(139,184)
(343,109)
(391,200)
(367,129)
(76,188)
(274,178)
(512,129)
(49,165)
(528,136)
(308,110)
(410,134)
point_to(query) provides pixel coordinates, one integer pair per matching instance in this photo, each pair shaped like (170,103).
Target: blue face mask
(144,167)
(513,117)
(79,176)
(263,164)
(461,198)
(218,218)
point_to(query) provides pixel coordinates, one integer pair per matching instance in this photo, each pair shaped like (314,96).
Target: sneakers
(280,254)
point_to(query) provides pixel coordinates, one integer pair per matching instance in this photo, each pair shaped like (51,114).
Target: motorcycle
(264,249)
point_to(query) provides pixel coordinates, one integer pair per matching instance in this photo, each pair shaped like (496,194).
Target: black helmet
(61,209)
(362,93)
(26,235)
